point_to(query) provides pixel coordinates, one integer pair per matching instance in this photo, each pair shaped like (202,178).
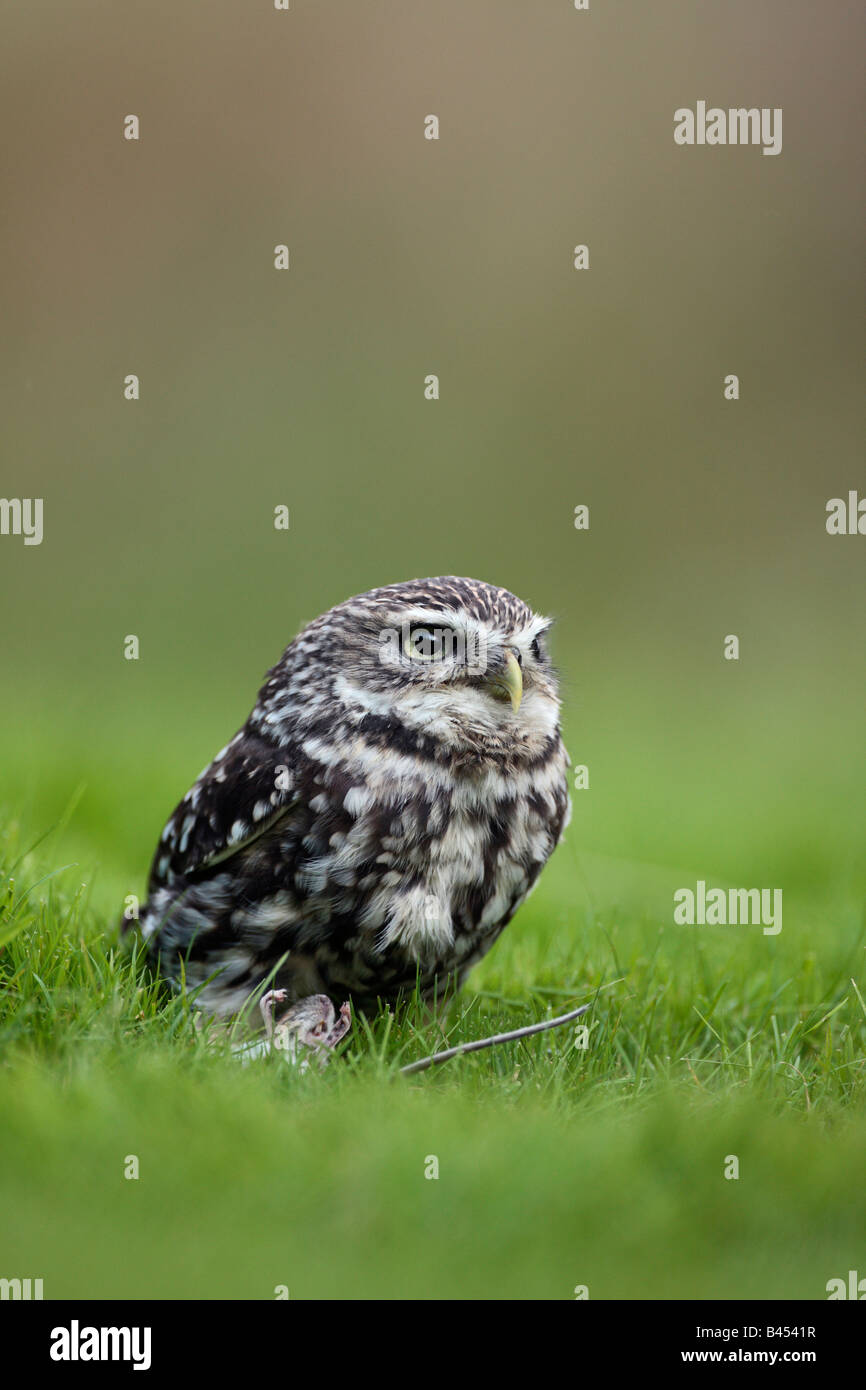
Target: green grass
(558,1165)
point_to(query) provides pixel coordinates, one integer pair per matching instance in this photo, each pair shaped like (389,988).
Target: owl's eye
(428,643)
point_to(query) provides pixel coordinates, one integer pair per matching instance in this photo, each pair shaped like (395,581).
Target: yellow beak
(510,680)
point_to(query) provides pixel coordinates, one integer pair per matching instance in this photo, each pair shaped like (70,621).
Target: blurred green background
(306,388)
(558,387)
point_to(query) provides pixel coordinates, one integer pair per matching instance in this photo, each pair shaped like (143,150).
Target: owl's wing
(238,796)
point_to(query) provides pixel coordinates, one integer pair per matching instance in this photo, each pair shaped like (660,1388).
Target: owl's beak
(509,679)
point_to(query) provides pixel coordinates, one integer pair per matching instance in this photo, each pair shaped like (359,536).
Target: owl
(383,812)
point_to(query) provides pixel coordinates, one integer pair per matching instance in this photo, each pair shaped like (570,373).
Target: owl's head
(459,661)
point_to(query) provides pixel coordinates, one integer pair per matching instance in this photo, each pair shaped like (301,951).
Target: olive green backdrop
(558,387)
